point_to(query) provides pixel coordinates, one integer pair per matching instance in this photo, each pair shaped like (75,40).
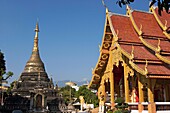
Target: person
(134,96)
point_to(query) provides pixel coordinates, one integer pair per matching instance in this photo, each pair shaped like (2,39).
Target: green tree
(160,3)
(89,96)
(121,106)
(2,64)
(3,74)
(68,94)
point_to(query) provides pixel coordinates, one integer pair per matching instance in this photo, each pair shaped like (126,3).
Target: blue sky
(70,32)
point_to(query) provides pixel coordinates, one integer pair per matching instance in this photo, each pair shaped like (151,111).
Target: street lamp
(2,94)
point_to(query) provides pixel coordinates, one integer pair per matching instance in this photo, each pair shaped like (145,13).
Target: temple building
(134,61)
(34,91)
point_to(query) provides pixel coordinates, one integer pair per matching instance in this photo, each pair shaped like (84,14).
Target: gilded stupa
(34,74)
(35,85)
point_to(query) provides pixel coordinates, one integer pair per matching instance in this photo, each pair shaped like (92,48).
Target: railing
(160,106)
(133,106)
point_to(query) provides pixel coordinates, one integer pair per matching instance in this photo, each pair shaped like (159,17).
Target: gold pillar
(151,104)
(140,87)
(126,83)
(112,88)
(140,92)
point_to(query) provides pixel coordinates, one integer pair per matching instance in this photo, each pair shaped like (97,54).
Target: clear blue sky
(70,32)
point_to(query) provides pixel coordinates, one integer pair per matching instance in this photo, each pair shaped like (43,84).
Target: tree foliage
(3,69)
(67,93)
(162,4)
(2,64)
(121,106)
(89,96)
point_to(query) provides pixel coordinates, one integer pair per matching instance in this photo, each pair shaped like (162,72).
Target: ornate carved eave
(131,62)
(104,54)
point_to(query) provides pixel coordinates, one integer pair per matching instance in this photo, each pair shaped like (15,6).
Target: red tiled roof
(164,16)
(125,28)
(156,69)
(138,50)
(150,28)
(149,25)
(164,45)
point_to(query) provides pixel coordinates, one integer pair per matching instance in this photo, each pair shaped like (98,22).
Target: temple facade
(34,91)
(134,61)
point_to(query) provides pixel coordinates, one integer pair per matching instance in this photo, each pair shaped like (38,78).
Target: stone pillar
(140,92)
(112,89)
(126,83)
(151,104)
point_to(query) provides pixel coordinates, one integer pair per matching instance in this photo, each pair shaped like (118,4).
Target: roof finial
(36,38)
(37,27)
(128,9)
(104,4)
(107,10)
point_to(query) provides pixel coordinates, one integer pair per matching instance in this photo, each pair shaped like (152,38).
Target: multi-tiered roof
(143,39)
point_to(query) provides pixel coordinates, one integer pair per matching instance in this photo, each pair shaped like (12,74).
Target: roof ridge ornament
(146,65)
(132,53)
(128,8)
(158,47)
(165,26)
(140,30)
(99,47)
(116,36)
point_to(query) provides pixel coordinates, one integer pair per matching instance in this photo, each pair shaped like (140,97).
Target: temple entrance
(119,80)
(39,102)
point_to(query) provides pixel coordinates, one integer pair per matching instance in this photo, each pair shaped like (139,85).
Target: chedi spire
(35,63)
(35,48)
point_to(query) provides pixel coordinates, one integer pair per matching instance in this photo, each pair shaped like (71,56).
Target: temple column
(112,89)
(126,83)
(151,103)
(140,92)
(102,96)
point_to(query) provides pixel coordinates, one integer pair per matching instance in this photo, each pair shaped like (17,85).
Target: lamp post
(2,93)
